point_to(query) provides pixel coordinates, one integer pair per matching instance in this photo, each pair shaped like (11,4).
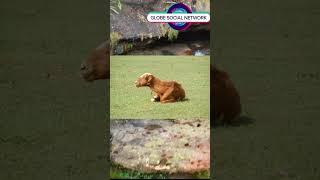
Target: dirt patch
(172,146)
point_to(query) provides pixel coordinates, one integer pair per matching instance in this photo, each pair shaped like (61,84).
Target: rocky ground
(130,30)
(171,146)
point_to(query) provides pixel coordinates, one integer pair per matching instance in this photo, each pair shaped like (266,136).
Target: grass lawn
(127,101)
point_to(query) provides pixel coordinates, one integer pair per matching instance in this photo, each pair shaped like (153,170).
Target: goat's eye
(83,67)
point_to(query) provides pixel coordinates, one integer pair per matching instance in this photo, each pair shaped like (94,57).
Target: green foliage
(202,175)
(168,32)
(114,38)
(128,46)
(118,172)
(129,174)
(115,6)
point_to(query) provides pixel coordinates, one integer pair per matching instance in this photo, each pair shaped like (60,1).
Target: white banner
(178,17)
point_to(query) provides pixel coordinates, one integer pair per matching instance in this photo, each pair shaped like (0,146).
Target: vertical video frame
(159,89)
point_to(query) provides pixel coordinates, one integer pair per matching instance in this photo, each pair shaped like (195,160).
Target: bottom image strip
(161,149)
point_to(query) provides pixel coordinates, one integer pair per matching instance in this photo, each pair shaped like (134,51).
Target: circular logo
(179,8)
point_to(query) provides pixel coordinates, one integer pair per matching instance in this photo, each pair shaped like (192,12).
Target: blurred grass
(51,121)
(127,101)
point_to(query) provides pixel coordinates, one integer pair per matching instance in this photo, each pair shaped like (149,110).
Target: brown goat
(225,97)
(96,66)
(166,91)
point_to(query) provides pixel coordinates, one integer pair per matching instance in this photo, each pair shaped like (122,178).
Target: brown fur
(226,99)
(96,66)
(166,91)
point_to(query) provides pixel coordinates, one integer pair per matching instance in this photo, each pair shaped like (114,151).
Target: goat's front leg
(167,96)
(156,98)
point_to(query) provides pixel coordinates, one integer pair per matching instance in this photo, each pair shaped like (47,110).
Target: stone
(170,146)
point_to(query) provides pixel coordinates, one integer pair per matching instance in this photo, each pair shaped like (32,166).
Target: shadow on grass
(179,101)
(241,121)
(185,99)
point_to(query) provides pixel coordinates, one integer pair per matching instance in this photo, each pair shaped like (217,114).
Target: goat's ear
(149,78)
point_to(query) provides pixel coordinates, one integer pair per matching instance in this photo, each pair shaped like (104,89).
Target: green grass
(118,172)
(127,101)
